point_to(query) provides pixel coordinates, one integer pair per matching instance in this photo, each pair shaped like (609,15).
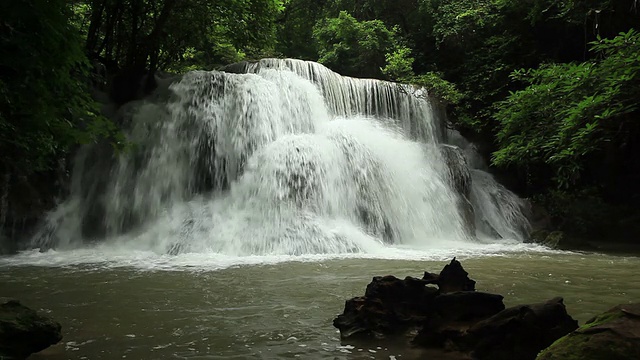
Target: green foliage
(399,64)
(456,21)
(352,47)
(582,211)
(438,87)
(295,28)
(569,111)
(515,72)
(177,34)
(399,67)
(520,78)
(45,106)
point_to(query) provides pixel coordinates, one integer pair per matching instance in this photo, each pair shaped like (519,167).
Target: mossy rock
(539,236)
(554,240)
(613,335)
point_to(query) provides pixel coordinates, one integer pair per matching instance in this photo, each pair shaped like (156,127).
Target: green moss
(563,348)
(592,346)
(587,347)
(602,319)
(554,239)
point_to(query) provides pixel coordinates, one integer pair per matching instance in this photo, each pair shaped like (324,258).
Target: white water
(290,160)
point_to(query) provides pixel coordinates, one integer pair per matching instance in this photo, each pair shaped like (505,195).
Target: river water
(116,305)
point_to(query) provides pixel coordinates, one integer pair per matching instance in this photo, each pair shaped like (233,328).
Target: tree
(45,107)
(352,47)
(176,34)
(295,28)
(570,112)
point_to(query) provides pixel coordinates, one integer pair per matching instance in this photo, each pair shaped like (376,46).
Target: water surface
(139,307)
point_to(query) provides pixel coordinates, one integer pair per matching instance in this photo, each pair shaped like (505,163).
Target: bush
(570,111)
(45,105)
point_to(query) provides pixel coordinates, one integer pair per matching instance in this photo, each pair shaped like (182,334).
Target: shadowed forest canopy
(176,34)
(50,47)
(548,89)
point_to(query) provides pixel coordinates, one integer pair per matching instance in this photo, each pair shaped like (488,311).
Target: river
(196,306)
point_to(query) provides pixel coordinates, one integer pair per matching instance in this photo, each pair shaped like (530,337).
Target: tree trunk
(97,9)
(151,47)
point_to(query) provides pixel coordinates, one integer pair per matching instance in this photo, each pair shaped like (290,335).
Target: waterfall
(280,157)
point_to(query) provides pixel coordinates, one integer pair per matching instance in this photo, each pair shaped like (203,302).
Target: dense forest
(548,89)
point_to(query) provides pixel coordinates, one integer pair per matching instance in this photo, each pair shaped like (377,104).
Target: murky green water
(276,311)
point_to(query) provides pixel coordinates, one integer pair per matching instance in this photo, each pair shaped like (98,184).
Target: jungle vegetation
(548,88)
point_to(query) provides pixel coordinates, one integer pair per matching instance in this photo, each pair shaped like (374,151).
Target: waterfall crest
(281,157)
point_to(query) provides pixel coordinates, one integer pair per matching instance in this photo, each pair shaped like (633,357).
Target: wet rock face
(452,313)
(452,278)
(519,332)
(614,334)
(459,173)
(23,331)
(460,179)
(453,317)
(392,306)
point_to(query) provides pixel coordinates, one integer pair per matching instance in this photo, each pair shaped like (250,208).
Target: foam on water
(289,160)
(107,256)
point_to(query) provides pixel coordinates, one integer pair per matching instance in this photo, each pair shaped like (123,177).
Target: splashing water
(286,158)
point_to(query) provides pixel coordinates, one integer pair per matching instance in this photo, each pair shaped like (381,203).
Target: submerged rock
(453,316)
(613,335)
(24,332)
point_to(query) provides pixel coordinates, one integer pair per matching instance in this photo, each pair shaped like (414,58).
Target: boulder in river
(519,332)
(391,306)
(613,335)
(24,332)
(453,317)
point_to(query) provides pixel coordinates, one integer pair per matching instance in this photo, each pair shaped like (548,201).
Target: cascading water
(285,158)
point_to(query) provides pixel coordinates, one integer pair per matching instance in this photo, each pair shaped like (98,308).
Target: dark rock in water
(553,239)
(454,313)
(23,331)
(559,240)
(537,236)
(613,335)
(452,278)
(467,305)
(453,317)
(519,332)
(392,306)
(389,306)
